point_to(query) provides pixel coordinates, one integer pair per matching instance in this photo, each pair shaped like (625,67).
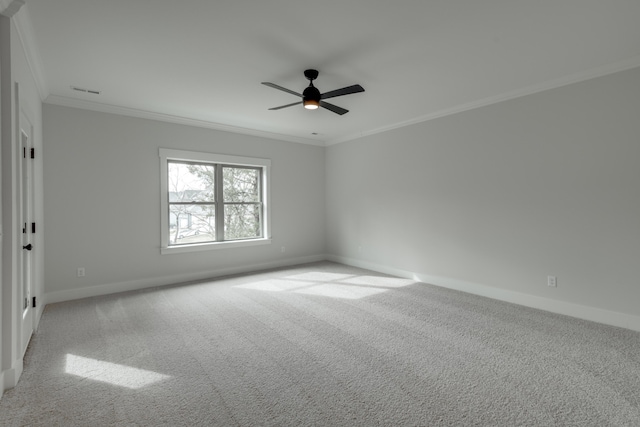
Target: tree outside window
(200,211)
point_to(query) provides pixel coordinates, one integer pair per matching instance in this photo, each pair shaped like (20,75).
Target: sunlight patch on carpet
(320,276)
(333,285)
(338,290)
(385,282)
(111,373)
(275,285)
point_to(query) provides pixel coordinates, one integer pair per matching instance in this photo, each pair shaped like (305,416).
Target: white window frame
(167,154)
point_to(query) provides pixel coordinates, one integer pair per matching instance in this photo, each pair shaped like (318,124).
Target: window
(211,201)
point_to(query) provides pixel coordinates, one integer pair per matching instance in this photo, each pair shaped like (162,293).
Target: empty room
(305,213)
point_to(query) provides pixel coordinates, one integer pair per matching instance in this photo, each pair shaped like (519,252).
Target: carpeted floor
(321,345)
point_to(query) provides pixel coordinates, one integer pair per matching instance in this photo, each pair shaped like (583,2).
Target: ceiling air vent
(79,89)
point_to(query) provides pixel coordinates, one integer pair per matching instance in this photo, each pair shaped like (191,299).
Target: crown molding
(26,34)
(142,114)
(27,38)
(552,84)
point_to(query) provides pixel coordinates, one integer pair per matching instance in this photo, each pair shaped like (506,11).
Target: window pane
(191,182)
(241,221)
(241,184)
(191,224)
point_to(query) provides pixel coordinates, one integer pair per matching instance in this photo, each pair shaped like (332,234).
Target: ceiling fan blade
(285,106)
(344,91)
(275,86)
(334,108)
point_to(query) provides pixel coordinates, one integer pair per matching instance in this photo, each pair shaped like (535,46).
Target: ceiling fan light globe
(311,104)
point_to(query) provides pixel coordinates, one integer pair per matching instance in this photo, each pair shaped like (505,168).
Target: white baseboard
(39,311)
(593,314)
(9,377)
(134,285)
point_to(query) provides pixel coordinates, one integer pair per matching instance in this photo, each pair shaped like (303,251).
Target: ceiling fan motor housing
(311,94)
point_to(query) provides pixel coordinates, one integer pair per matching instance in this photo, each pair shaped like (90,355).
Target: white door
(26,214)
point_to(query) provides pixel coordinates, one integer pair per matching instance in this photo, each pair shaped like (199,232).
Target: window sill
(199,247)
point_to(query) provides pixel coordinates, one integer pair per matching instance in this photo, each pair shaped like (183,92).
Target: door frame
(26,208)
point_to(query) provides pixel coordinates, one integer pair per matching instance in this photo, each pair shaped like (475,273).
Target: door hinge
(33,227)
(34,302)
(33,153)
(24,229)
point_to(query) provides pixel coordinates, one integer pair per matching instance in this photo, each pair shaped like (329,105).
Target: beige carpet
(321,345)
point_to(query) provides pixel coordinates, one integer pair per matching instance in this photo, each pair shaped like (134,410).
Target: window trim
(167,154)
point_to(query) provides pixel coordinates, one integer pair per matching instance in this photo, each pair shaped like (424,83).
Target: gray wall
(492,200)
(102,202)
(503,196)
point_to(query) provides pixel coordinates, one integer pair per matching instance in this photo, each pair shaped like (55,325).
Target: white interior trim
(26,35)
(124,111)
(593,314)
(150,115)
(134,285)
(564,81)
(11,376)
(209,246)
(167,154)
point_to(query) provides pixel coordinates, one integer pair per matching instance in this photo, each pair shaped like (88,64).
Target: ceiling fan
(312,98)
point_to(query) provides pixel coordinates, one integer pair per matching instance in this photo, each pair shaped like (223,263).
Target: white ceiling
(202,61)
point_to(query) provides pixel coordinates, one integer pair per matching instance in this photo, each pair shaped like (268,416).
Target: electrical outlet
(81,272)
(282,249)
(552,281)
